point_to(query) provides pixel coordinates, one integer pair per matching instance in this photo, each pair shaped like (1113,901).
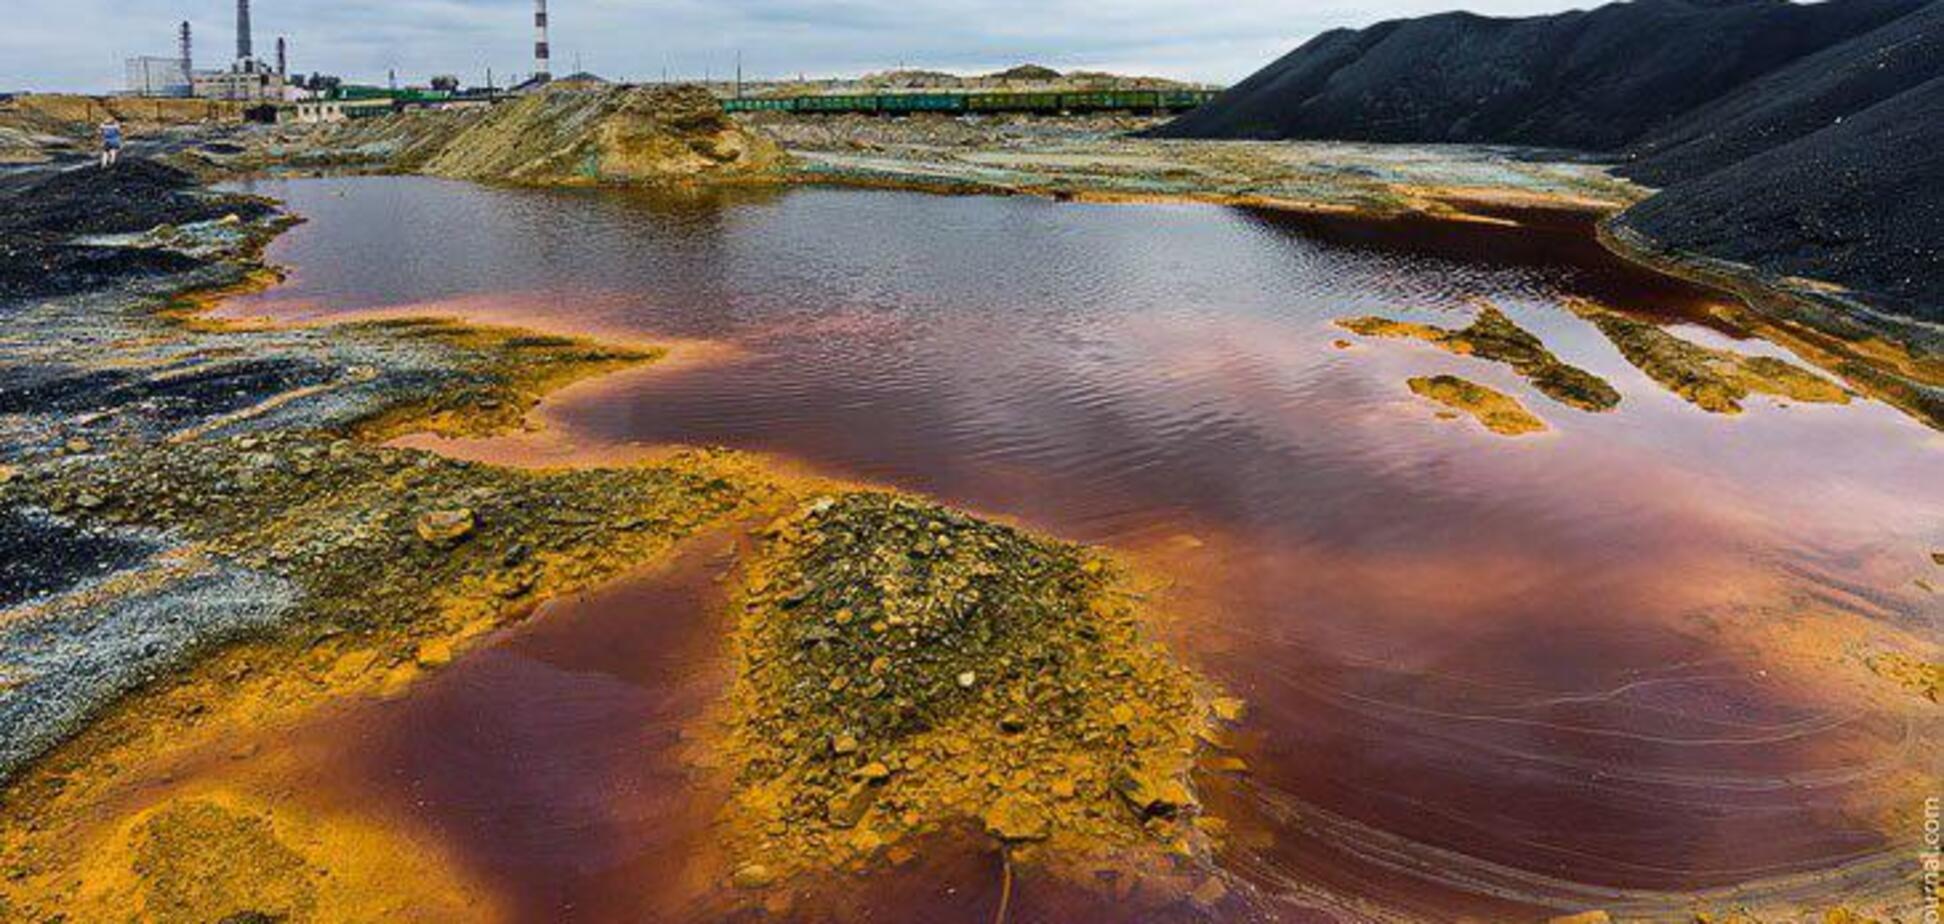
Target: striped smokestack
(541,69)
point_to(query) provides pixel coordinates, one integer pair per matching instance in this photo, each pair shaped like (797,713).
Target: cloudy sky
(80,44)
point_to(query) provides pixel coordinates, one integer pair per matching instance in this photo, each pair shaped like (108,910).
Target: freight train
(1042,102)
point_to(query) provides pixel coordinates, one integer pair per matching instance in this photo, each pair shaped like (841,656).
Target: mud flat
(1094,159)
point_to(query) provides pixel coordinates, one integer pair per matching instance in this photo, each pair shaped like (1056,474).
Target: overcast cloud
(80,44)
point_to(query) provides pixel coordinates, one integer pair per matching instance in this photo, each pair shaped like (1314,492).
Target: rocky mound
(609,135)
(907,669)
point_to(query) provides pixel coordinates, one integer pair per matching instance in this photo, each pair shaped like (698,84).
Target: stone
(843,744)
(966,679)
(435,653)
(1209,893)
(752,876)
(1153,795)
(1013,818)
(446,528)
(846,809)
(1227,708)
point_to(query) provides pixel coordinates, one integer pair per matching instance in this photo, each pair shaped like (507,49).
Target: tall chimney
(282,62)
(182,51)
(242,30)
(541,69)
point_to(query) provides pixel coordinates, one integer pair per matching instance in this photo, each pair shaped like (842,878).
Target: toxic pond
(1610,664)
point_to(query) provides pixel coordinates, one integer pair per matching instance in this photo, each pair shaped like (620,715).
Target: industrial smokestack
(282,62)
(182,51)
(242,30)
(542,70)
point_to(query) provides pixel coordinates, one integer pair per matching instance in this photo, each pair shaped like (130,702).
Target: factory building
(247,78)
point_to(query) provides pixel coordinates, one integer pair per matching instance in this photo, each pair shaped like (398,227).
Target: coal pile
(1590,80)
(1800,139)
(1857,203)
(132,197)
(41,219)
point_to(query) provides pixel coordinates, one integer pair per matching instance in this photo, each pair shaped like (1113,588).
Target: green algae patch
(1499,412)
(905,669)
(1717,381)
(1494,336)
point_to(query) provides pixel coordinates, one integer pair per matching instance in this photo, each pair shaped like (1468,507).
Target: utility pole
(739,73)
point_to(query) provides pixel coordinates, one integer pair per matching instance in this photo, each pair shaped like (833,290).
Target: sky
(79,45)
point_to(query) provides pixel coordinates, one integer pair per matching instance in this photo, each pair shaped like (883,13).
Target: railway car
(921,102)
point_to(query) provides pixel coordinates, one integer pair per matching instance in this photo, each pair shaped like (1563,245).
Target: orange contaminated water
(1602,666)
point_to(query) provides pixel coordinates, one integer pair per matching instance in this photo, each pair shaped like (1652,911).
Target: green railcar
(1013,102)
(1039,102)
(763,104)
(846,103)
(921,102)
(1185,99)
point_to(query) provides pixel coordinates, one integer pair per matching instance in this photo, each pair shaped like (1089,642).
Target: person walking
(111,142)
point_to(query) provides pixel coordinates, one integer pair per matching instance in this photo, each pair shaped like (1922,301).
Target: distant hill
(1803,139)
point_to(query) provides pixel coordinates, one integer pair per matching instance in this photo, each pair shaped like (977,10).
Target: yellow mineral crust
(218,855)
(1494,336)
(905,669)
(1499,412)
(1713,380)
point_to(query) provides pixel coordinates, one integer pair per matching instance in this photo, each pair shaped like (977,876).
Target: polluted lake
(1154,561)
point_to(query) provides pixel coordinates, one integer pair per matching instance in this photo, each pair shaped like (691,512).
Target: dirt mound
(616,135)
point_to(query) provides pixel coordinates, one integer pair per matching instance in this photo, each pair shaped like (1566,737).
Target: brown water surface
(1618,659)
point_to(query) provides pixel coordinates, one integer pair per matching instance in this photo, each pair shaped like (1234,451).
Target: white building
(246,80)
(154,76)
